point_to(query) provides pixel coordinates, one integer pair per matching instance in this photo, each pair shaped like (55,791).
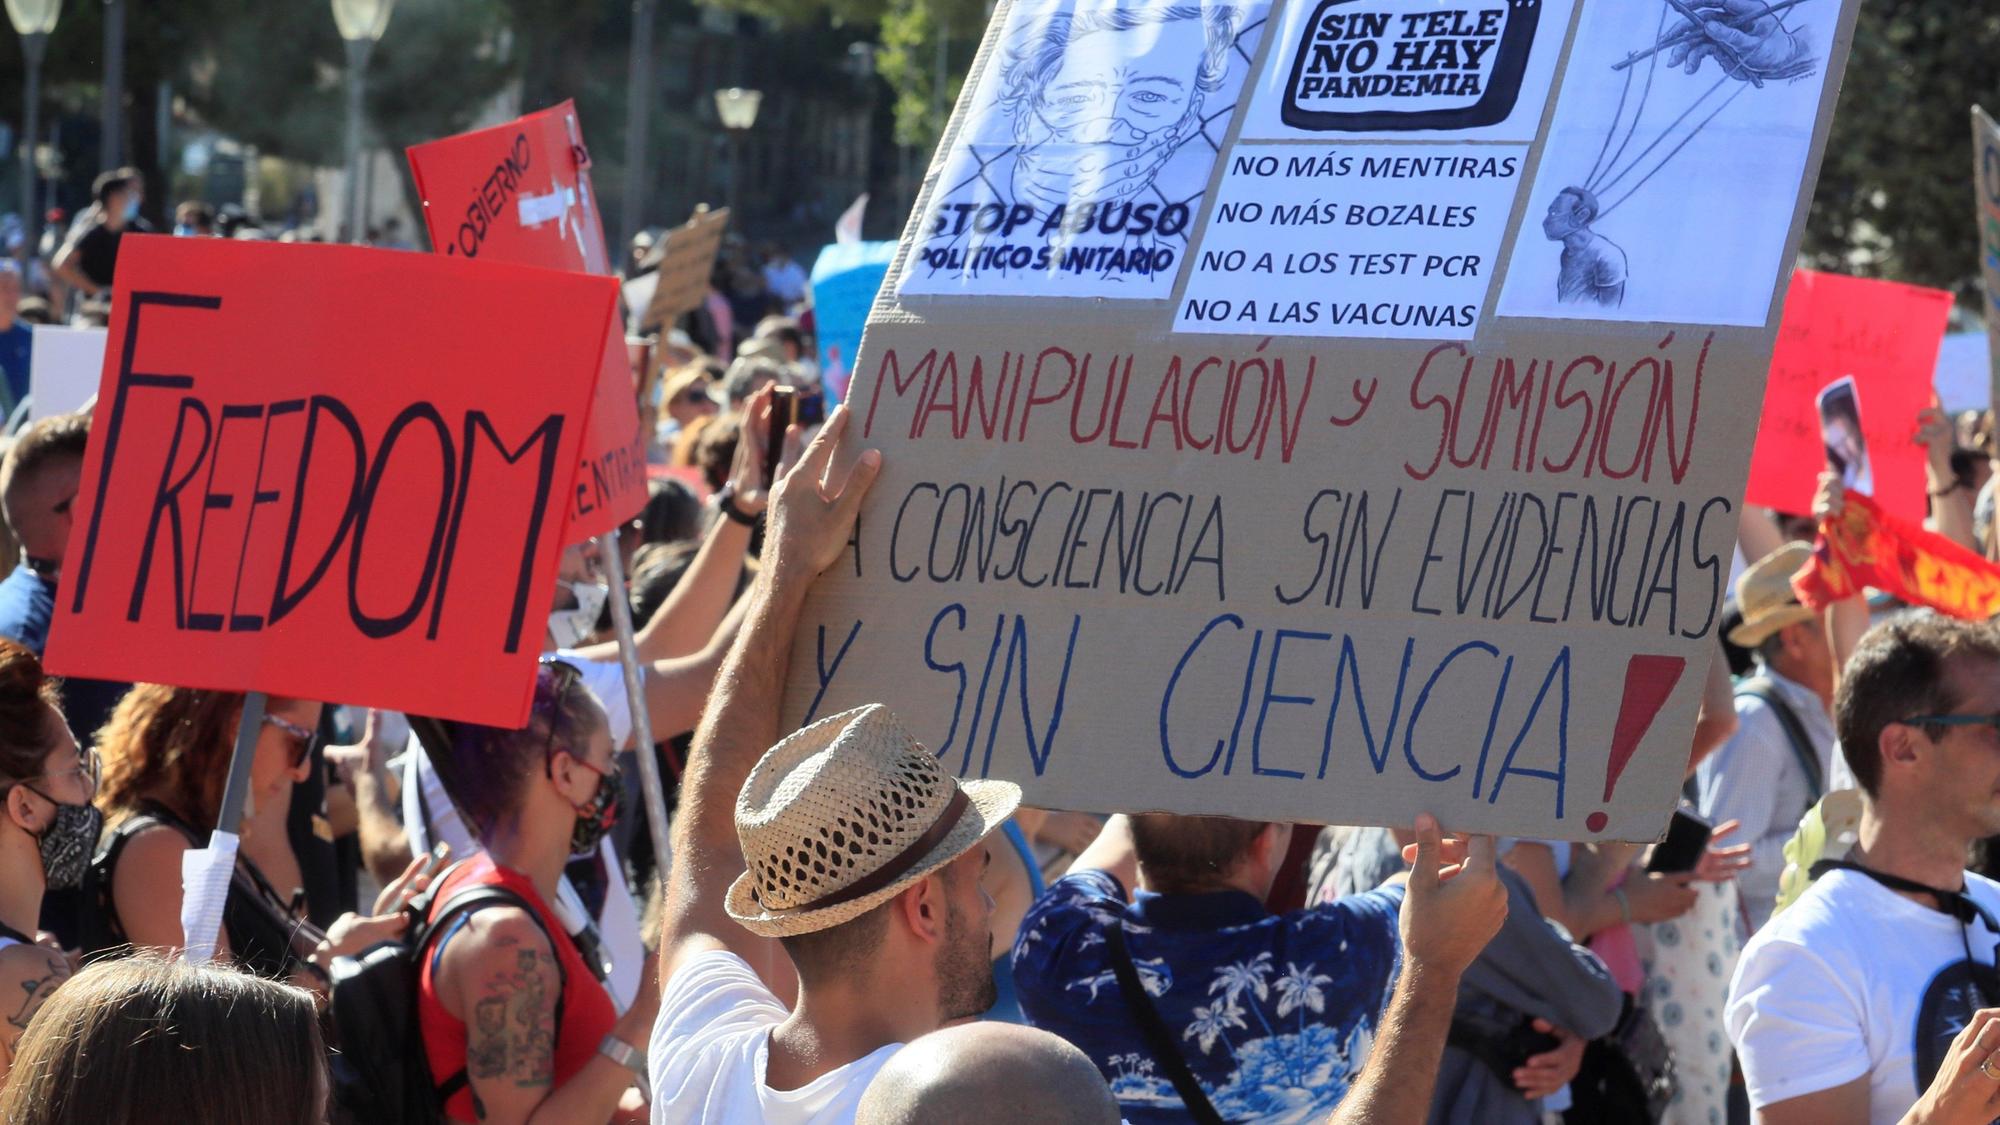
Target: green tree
(914,32)
(1895,195)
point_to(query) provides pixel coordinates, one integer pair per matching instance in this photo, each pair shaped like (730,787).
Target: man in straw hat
(1775,766)
(848,844)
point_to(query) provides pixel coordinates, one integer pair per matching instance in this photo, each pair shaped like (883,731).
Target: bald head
(988,1072)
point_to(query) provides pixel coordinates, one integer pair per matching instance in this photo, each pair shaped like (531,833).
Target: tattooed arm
(499,976)
(28,974)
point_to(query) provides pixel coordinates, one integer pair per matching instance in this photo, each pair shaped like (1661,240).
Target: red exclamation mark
(1648,682)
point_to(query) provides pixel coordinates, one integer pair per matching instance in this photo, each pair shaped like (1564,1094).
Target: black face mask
(67,842)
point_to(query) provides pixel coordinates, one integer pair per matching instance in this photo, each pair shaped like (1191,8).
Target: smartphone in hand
(811,409)
(1687,838)
(782,399)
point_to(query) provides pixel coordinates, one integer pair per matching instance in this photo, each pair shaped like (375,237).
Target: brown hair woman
(46,833)
(155,1041)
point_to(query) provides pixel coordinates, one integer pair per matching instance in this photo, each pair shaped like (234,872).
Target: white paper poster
(1081,165)
(1391,69)
(1672,152)
(63,372)
(1387,240)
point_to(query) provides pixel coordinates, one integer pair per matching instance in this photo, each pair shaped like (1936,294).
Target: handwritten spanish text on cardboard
(683,262)
(296,484)
(1311,530)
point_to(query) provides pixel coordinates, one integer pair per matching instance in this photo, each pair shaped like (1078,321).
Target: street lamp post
(111,113)
(737,108)
(33,20)
(361,24)
(638,99)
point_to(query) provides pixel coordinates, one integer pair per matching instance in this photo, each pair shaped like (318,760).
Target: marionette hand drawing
(1747,39)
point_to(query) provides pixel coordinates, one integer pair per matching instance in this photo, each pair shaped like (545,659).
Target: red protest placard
(521,193)
(1884,336)
(518,192)
(330,472)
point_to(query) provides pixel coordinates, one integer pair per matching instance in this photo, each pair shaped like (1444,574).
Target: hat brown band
(904,860)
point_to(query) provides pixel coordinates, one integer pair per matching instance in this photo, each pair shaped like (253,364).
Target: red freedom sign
(295,485)
(521,193)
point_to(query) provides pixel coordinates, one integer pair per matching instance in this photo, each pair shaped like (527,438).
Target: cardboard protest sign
(682,261)
(330,472)
(1409,70)
(1986,182)
(1654,176)
(558,228)
(845,280)
(518,192)
(63,368)
(1964,371)
(1393,549)
(1851,370)
(1092,194)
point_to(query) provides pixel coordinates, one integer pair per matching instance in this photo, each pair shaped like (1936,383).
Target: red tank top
(587,1013)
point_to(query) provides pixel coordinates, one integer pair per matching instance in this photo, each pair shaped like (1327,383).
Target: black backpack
(381,1074)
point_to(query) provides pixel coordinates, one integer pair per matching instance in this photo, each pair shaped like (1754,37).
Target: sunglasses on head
(553,681)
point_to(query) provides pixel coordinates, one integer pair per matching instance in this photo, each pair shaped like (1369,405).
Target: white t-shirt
(606,680)
(711,1046)
(1851,980)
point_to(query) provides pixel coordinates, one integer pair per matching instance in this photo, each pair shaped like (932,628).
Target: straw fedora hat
(841,816)
(1764,593)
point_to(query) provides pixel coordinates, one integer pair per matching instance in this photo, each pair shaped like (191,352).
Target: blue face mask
(182,230)
(131,209)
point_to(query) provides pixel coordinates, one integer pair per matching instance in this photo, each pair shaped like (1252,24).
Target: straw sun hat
(1764,592)
(840,817)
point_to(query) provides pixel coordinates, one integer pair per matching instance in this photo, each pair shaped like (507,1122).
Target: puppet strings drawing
(1751,44)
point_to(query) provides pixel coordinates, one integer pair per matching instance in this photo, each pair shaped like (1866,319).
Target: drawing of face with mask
(1100,101)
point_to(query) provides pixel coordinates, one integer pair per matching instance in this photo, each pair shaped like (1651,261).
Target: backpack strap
(456,910)
(1159,1041)
(1761,688)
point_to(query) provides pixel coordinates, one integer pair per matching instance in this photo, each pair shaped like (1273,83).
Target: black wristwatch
(725,499)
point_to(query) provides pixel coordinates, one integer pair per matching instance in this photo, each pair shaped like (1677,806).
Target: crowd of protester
(434,917)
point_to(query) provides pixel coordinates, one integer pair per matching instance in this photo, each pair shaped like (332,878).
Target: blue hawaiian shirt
(1274,1013)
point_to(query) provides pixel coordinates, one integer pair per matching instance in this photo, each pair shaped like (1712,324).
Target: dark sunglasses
(1988,720)
(301,738)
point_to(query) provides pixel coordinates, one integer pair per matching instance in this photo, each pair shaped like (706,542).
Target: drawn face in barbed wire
(1111,112)
(1122,87)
